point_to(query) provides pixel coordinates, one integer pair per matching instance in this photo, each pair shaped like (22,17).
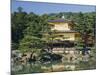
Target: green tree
(18,24)
(85,27)
(19,9)
(31,44)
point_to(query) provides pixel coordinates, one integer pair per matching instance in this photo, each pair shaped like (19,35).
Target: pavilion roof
(59,20)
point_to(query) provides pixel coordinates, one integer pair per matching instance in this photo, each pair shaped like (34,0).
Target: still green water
(38,67)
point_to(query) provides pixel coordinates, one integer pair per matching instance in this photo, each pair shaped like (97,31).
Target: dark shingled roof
(58,20)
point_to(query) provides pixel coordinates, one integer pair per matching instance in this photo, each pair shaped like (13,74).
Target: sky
(46,8)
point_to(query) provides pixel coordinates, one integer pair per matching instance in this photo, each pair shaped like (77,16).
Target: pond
(39,67)
(54,66)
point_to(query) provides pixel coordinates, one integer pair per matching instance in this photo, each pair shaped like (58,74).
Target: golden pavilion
(62,33)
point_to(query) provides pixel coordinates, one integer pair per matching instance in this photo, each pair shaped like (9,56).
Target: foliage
(18,25)
(30,43)
(28,28)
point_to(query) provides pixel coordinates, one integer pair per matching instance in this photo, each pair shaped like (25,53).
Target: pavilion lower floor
(62,47)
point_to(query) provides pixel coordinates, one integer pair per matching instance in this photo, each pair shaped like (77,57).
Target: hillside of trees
(27,28)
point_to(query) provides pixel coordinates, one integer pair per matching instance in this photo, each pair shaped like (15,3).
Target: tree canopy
(27,28)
